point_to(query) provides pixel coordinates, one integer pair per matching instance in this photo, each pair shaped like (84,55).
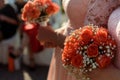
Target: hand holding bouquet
(87,49)
(39,11)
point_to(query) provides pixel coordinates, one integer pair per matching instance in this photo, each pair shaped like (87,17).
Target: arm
(47,35)
(8,19)
(8,15)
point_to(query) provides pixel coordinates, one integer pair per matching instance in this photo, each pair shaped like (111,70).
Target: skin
(1,3)
(77,18)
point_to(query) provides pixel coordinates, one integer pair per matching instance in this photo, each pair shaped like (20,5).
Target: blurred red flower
(30,11)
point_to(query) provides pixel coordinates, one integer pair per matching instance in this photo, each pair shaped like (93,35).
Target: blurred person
(11,3)
(8,30)
(19,4)
(29,32)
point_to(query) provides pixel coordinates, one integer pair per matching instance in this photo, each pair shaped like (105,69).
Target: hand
(108,73)
(48,44)
(46,34)
(8,19)
(49,37)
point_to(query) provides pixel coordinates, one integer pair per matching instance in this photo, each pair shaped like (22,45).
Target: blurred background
(21,57)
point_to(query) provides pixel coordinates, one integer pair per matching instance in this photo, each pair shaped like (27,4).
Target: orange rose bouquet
(86,49)
(39,11)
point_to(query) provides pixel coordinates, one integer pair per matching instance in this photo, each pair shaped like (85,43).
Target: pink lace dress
(80,12)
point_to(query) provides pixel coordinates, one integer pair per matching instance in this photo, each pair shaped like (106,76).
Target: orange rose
(77,61)
(92,50)
(70,52)
(30,11)
(52,8)
(111,41)
(101,35)
(86,35)
(65,59)
(103,61)
(69,49)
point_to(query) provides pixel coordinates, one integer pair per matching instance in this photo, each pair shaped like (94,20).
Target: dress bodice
(83,12)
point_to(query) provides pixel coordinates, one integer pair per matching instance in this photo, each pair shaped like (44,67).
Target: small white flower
(114,46)
(108,50)
(88,78)
(108,55)
(94,66)
(91,39)
(86,70)
(84,61)
(88,59)
(104,51)
(77,51)
(110,44)
(67,59)
(100,47)
(81,48)
(88,62)
(90,69)
(80,52)
(85,47)
(83,78)
(107,47)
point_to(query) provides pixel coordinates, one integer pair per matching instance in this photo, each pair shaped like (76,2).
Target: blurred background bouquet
(86,49)
(39,11)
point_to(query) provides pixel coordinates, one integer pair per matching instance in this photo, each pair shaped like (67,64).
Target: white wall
(41,58)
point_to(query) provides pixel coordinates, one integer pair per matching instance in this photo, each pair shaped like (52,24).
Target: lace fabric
(99,11)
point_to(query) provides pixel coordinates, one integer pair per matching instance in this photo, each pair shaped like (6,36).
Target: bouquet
(86,49)
(39,11)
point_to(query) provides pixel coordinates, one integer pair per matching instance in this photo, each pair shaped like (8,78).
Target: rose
(77,61)
(69,50)
(103,61)
(86,35)
(101,35)
(52,8)
(92,50)
(30,11)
